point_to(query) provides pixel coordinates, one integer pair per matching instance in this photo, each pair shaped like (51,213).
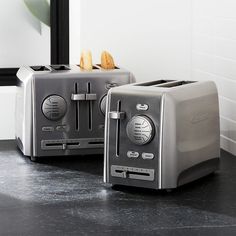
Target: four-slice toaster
(60,109)
(161,134)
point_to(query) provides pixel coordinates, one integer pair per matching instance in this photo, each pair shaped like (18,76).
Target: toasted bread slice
(107,61)
(86,62)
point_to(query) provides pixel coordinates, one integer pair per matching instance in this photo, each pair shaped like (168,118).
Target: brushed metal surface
(82,92)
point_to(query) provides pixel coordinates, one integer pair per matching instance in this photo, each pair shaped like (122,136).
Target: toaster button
(111,85)
(142,107)
(148,156)
(48,129)
(132,154)
(61,128)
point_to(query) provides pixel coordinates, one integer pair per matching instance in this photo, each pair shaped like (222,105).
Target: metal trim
(160,142)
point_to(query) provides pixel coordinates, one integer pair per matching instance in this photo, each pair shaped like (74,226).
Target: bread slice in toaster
(107,61)
(86,60)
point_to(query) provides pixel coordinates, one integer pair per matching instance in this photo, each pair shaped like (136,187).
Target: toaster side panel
(130,158)
(23,113)
(191,129)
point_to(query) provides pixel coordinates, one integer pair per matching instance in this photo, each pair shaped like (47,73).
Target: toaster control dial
(140,130)
(54,107)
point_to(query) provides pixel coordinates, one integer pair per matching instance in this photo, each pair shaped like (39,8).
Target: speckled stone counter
(67,196)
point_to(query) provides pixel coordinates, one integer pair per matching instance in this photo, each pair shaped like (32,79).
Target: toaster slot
(39,68)
(60,67)
(132,173)
(94,67)
(153,83)
(176,84)
(116,68)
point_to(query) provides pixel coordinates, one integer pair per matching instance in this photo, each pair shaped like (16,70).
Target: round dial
(54,107)
(140,130)
(103,104)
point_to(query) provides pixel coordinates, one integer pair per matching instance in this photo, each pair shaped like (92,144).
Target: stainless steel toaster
(161,134)
(60,109)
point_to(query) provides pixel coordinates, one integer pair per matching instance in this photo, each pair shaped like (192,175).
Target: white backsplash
(214,58)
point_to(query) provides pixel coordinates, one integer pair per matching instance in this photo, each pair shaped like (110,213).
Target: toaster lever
(124,174)
(78,97)
(116,115)
(90,96)
(84,97)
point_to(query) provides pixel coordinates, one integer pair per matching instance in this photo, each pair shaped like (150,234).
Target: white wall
(23,41)
(75,31)
(151,38)
(214,58)
(22,36)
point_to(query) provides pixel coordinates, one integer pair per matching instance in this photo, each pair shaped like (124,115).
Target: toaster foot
(34,159)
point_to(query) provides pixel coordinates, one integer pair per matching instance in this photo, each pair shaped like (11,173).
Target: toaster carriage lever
(64,146)
(116,115)
(90,97)
(78,97)
(84,97)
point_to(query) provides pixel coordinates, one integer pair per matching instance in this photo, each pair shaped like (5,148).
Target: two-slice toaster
(161,134)
(60,109)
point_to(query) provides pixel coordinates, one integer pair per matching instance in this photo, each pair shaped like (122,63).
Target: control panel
(140,130)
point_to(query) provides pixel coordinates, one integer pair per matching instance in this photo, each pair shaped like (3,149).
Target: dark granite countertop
(67,196)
